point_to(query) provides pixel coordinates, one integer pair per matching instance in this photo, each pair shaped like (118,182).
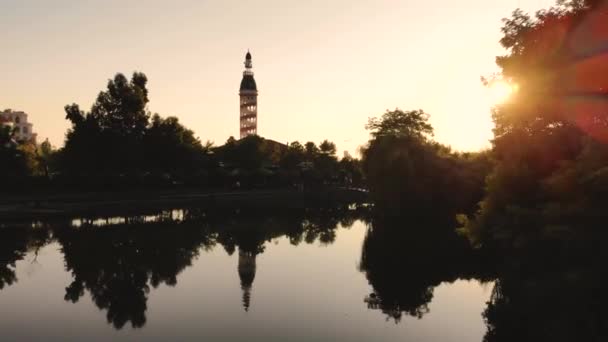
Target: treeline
(533,205)
(543,213)
(120,144)
(545,178)
(550,177)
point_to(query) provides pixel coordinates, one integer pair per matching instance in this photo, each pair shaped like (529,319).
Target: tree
(108,139)
(122,108)
(6,135)
(46,156)
(408,172)
(293,157)
(116,142)
(311,150)
(253,160)
(171,148)
(326,163)
(351,172)
(12,158)
(550,142)
(327,148)
(397,123)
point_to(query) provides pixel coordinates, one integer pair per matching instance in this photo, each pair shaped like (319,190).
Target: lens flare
(500,92)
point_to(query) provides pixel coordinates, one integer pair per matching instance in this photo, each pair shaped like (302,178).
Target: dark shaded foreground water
(314,275)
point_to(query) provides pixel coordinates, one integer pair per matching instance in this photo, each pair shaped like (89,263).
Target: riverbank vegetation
(539,219)
(527,213)
(546,175)
(408,172)
(544,179)
(535,198)
(550,178)
(119,144)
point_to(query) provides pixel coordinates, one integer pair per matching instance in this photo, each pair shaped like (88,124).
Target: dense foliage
(550,145)
(116,142)
(409,173)
(12,160)
(255,161)
(22,162)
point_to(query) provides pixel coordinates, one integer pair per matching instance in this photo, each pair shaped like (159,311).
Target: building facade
(248,94)
(18,120)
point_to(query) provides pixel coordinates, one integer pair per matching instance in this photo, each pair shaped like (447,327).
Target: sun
(500,92)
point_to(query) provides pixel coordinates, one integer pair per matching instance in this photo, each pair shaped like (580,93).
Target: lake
(177,275)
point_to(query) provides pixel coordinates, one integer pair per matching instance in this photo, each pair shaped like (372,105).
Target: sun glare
(501,91)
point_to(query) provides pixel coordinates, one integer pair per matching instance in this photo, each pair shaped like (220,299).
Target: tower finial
(248,63)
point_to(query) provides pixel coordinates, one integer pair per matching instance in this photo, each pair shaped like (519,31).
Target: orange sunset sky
(322,66)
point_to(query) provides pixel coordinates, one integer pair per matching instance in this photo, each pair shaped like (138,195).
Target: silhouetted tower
(249,101)
(246,274)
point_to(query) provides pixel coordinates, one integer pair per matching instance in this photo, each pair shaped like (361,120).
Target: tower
(248,93)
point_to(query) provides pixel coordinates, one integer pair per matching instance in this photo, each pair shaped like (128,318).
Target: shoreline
(20,207)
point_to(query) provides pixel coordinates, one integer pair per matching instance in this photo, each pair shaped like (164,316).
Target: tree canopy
(407,172)
(116,138)
(550,140)
(399,123)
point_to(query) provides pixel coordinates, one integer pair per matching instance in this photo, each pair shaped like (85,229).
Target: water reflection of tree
(15,243)
(551,295)
(405,259)
(118,261)
(546,294)
(118,264)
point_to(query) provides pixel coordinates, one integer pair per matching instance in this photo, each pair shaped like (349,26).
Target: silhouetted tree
(116,141)
(12,159)
(108,139)
(543,213)
(550,142)
(406,170)
(46,158)
(171,148)
(398,123)
(327,148)
(311,150)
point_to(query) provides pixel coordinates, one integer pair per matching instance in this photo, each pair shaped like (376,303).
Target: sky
(322,67)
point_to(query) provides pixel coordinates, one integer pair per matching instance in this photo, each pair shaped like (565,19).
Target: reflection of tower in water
(246,274)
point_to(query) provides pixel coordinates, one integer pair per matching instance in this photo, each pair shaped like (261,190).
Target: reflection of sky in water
(305,292)
(176,215)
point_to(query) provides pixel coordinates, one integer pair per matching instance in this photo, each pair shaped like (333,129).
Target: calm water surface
(262,278)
